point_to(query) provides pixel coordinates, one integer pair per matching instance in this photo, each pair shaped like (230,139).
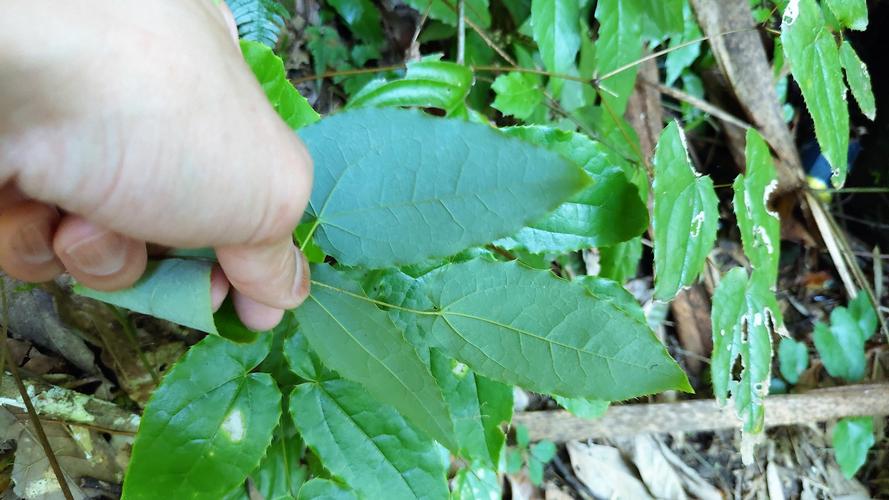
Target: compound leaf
(530,328)
(619,43)
(368,445)
(745,315)
(841,345)
(259,20)
(589,218)
(269,70)
(852,438)
(360,342)
(859,80)
(208,424)
(815,64)
(760,227)
(685,215)
(381,199)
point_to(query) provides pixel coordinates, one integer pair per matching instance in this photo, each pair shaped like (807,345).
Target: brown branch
(701,104)
(704,415)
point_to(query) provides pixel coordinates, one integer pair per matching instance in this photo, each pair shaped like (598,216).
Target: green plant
(533,456)
(433,242)
(841,344)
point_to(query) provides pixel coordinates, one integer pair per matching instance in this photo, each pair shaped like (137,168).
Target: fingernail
(102,254)
(32,244)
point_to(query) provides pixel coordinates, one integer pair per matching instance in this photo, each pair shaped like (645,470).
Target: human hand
(123,123)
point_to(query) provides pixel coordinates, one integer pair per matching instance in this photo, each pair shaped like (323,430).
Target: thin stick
(461,31)
(32,413)
(701,104)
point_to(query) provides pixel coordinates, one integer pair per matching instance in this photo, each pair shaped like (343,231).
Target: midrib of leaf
(363,431)
(370,354)
(444,313)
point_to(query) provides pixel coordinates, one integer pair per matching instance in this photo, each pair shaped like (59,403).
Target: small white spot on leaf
(696,223)
(767,194)
(233,425)
(790,13)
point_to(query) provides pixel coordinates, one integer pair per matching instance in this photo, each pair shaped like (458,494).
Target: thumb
(273,274)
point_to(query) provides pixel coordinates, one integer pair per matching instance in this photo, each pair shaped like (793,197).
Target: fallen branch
(704,415)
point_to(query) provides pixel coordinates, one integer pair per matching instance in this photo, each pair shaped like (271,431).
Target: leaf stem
(32,413)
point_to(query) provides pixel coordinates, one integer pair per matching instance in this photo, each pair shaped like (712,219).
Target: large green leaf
(530,328)
(841,345)
(760,227)
(858,79)
(269,70)
(280,475)
(849,13)
(518,94)
(259,20)
(381,199)
(685,215)
(590,218)
(662,19)
(428,83)
(815,63)
(360,342)
(620,262)
(363,18)
(852,438)
(556,29)
(207,425)
(176,290)
(367,444)
(446,11)
(477,483)
(478,407)
(745,315)
(619,43)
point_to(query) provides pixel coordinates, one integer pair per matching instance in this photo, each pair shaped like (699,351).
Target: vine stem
(32,413)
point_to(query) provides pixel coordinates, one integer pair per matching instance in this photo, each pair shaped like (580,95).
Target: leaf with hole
(815,64)
(208,424)
(685,215)
(358,340)
(760,227)
(368,445)
(381,200)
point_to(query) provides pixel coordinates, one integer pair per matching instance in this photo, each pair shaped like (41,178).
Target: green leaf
(530,328)
(362,17)
(557,32)
(207,425)
(303,361)
(841,345)
(662,19)
(367,444)
(478,407)
(259,20)
(325,489)
(681,58)
(380,200)
(815,64)
(518,94)
(793,359)
(619,43)
(428,83)
(535,471)
(685,215)
(514,459)
(327,49)
(477,483)
(852,438)
(589,218)
(543,451)
(269,70)
(176,290)
(745,315)
(445,11)
(858,79)
(584,408)
(620,262)
(760,227)
(280,475)
(359,341)
(851,14)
